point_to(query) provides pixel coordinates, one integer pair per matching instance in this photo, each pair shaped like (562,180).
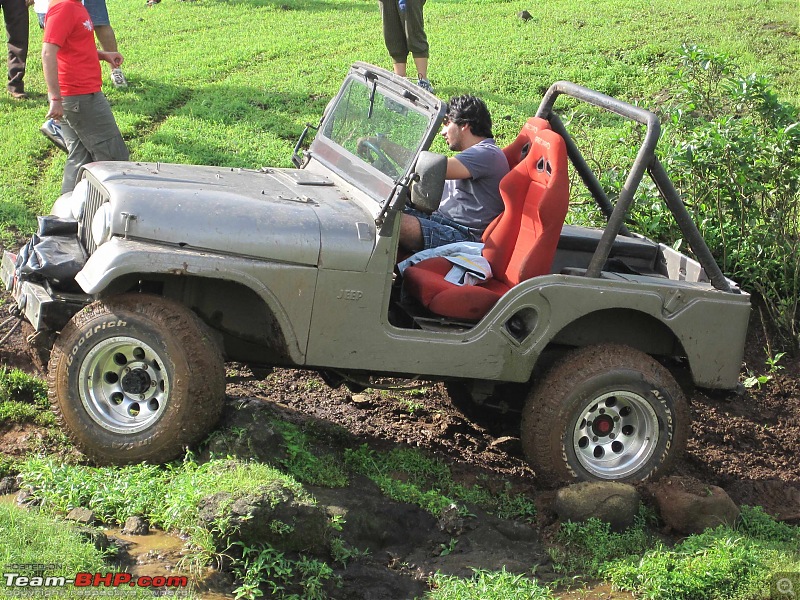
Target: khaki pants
(91,134)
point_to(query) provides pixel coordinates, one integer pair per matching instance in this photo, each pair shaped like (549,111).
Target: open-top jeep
(177,268)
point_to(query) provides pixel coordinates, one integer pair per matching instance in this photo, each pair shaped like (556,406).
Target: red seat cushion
(425,282)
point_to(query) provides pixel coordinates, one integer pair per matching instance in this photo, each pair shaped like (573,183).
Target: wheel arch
(248,326)
(278,295)
(625,326)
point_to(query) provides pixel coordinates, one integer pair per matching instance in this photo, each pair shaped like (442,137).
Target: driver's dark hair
(471,110)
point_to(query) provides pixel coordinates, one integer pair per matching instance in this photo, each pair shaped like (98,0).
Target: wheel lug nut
(602,411)
(594,438)
(616,418)
(612,435)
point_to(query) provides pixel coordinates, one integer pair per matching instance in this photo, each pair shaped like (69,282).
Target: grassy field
(233,83)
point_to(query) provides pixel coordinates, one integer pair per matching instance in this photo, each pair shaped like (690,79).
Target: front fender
(287,290)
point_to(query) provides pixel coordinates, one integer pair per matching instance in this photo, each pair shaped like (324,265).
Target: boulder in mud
(611,502)
(687,505)
(272,516)
(136,526)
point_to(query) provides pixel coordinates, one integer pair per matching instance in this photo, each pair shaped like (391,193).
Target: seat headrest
(517,150)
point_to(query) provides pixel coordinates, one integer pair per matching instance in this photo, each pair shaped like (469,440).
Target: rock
(26,498)
(8,485)
(95,536)
(81,515)
(524,15)
(451,520)
(611,502)
(245,433)
(362,400)
(687,505)
(136,526)
(273,516)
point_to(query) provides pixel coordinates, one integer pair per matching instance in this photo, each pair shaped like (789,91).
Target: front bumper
(44,308)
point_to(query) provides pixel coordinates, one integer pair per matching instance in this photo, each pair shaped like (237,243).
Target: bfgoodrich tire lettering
(136,378)
(605,412)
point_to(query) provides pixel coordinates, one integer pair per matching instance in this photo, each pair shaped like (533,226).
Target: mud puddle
(159,554)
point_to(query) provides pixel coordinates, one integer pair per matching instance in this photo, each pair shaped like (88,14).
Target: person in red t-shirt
(71,64)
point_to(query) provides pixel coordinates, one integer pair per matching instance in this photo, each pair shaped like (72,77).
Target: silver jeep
(177,268)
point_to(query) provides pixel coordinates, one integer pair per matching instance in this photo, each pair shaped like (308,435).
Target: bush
(731,148)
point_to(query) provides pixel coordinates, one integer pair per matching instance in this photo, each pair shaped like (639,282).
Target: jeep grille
(95,198)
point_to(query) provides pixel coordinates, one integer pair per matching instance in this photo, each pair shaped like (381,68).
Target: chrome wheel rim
(615,434)
(124,385)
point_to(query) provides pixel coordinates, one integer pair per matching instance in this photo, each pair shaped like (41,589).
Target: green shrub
(732,149)
(487,585)
(722,563)
(18,386)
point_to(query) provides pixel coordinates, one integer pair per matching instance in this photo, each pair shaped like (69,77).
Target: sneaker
(425,85)
(52,131)
(118,79)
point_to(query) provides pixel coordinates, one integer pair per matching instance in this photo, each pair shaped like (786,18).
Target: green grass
(32,538)
(240,93)
(487,585)
(722,563)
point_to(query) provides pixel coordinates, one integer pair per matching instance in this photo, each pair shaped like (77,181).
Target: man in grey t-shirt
(471,198)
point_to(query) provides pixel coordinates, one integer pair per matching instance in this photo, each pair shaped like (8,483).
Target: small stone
(81,515)
(136,526)
(524,15)
(8,485)
(611,502)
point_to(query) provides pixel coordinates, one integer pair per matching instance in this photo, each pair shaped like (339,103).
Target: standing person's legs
(15,14)
(91,133)
(98,12)
(394,35)
(416,39)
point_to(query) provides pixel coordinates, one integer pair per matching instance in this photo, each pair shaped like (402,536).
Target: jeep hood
(286,215)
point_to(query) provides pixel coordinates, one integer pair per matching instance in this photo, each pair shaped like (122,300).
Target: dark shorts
(98,12)
(438,230)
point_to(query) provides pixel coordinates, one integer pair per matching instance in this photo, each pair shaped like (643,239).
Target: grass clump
(487,585)
(21,387)
(588,546)
(720,563)
(263,565)
(23,399)
(407,475)
(33,538)
(306,465)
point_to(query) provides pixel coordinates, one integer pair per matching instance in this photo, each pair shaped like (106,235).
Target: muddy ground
(747,444)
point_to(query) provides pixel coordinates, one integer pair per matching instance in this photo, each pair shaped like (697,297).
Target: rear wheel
(136,378)
(605,412)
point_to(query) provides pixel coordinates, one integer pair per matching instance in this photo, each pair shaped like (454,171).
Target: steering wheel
(370,152)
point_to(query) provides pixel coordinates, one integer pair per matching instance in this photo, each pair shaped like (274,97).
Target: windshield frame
(383,86)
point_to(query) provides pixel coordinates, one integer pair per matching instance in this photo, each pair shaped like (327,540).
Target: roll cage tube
(645,160)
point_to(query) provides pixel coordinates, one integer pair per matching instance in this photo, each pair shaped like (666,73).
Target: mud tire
(176,369)
(608,387)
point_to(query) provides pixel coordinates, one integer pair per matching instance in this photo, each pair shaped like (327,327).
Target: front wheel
(605,412)
(136,378)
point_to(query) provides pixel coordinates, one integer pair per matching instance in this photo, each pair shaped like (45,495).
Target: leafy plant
(732,149)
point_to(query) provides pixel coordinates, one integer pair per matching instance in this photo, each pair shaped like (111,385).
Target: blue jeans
(438,230)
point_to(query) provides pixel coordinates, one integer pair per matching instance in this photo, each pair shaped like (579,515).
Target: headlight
(78,200)
(71,205)
(101,224)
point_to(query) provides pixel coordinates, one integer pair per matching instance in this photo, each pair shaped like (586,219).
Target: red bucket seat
(519,244)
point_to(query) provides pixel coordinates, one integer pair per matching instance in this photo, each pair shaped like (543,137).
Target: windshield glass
(380,131)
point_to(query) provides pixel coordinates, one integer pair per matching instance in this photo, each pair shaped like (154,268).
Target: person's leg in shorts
(98,12)
(420,231)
